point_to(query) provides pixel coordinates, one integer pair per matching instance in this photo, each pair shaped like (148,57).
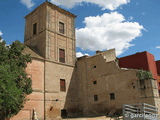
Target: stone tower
(51,31)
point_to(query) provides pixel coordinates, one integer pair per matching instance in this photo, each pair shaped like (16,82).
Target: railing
(140,111)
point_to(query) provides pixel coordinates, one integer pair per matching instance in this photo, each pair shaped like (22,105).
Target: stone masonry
(64,86)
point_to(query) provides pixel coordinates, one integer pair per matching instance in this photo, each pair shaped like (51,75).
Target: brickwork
(142,60)
(123,83)
(35,70)
(46,70)
(48,39)
(94,85)
(55,72)
(158,67)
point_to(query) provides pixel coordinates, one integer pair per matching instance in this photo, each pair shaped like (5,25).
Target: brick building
(50,39)
(103,86)
(65,86)
(142,60)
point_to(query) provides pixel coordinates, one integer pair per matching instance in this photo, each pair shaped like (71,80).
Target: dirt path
(96,118)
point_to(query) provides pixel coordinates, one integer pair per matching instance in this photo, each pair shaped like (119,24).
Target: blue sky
(130,26)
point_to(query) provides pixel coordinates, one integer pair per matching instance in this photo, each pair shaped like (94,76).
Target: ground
(96,118)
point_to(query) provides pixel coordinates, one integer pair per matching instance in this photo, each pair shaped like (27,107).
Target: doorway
(64,113)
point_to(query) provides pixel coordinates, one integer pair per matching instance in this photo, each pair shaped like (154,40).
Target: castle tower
(51,31)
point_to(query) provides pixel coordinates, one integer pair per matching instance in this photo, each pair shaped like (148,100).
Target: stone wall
(110,79)
(35,70)
(94,86)
(66,100)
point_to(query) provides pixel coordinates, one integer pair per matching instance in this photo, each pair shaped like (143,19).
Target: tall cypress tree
(14,83)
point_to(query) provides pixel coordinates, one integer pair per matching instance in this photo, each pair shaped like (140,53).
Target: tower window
(95,97)
(34,28)
(62,55)
(112,96)
(61,27)
(95,82)
(62,85)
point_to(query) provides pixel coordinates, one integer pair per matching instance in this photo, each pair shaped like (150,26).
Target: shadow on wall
(71,105)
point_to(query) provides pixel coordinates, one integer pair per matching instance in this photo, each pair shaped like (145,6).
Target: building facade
(64,86)
(50,39)
(103,87)
(142,60)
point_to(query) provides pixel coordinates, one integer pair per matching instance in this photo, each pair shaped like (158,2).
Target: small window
(61,27)
(34,28)
(94,82)
(62,85)
(62,55)
(95,97)
(112,96)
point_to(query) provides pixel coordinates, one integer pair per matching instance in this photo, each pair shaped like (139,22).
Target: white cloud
(157,47)
(79,54)
(28,3)
(1,33)
(1,40)
(105,4)
(108,31)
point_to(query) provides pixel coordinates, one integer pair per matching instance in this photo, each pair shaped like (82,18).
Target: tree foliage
(14,83)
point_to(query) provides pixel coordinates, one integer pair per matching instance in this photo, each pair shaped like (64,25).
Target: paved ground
(96,118)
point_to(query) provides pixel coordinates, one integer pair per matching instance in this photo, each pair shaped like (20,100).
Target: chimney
(98,52)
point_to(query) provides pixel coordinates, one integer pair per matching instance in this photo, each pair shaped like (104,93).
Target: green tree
(14,83)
